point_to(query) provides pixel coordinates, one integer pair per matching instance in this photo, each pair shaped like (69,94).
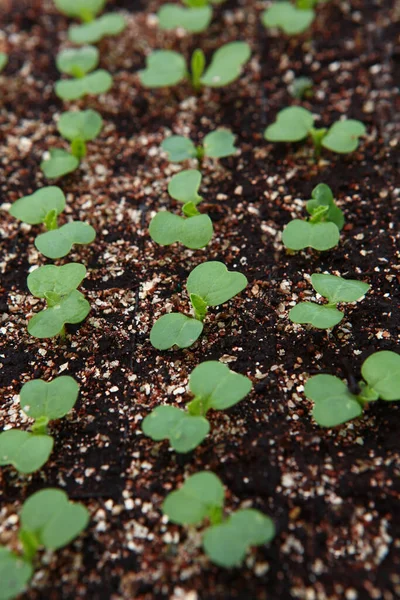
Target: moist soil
(333,494)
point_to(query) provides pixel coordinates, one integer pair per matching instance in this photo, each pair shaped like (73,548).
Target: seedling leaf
(216,386)
(179,148)
(381,371)
(52,518)
(185,432)
(14,574)
(175,329)
(53,399)
(214,284)
(91,33)
(317,315)
(291,125)
(322,196)
(93,84)
(167,228)
(34,208)
(60,280)
(198,497)
(336,289)
(184,186)
(343,136)
(288,17)
(77,61)
(81,9)
(58,242)
(226,64)
(26,452)
(60,163)
(163,68)
(303,234)
(73,309)
(83,124)
(334,404)
(172,16)
(219,144)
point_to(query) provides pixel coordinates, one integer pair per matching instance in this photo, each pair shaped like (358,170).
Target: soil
(333,494)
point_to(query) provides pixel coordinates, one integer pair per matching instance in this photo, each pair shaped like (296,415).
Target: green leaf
(58,242)
(185,432)
(52,518)
(303,234)
(381,371)
(167,228)
(91,33)
(322,196)
(226,544)
(334,404)
(60,280)
(60,163)
(214,283)
(226,64)
(317,315)
(291,125)
(82,124)
(95,83)
(288,17)
(77,61)
(219,144)
(171,16)
(3,63)
(175,329)
(343,136)
(34,208)
(216,386)
(53,399)
(73,308)
(14,574)
(336,289)
(179,148)
(26,452)
(84,9)
(184,186)
(198,497)
(163,68)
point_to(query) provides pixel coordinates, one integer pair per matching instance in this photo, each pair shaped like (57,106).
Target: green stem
(78,148)
(30,544)
(200,155)
(197,65)
(50,220)
(40,426)
(197,407)
(317,135)
(216,515)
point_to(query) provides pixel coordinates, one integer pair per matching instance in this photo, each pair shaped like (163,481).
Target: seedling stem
(30,544)
(50,221)
(317,135)
(78,148)
(197,65)
(40,426)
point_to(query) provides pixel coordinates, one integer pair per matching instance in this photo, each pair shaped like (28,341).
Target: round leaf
(322,196)
(214,283)
(219,144)
(77,61)
(163,68)
(14,574)
(53,399)
(83,124)
(26,452)
(175,329)
(184,186)
(381,371)
(291,125)
(303,234)
(336,289)
(167,228)
(343,136)
(226,64)
(93,32)
(288,17)
(33,209)
(171,16)
(95,83)
(334,404)
(58,242)
(179,148)
(317,315)
(217,386)
(184,431)
(60,163)
(73,308)
(60,280)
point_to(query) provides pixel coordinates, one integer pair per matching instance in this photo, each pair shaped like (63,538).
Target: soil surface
(333,494)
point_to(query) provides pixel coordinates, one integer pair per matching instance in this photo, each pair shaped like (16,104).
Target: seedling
(3,61)
(44,402)
(295,123)
(335,289)
(49,520)
(334,404)
(44,206)
(214,386)
(78,62)
(57,285)
(291,18)
(90,33)
(191,18)
(217,144)
(209,284)
(226,540)
(322,230)
(84,10)
(167,67)
(78,127)
(301,87)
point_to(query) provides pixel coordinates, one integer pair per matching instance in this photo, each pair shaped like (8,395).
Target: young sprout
(91,33)
(334,404)
(193,232)
(167,67)
(49,520)
(209,284)
(192,18)
(214,386)
(322,230)
(84,10)
(3,61)
(78,62)
(335,289)
(44,402)
(301,87)
(217,144)
(295,123)
(226,540)
(78,127)
(57,285)
(292,18)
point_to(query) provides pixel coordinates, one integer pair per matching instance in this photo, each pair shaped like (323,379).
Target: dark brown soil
(334,495)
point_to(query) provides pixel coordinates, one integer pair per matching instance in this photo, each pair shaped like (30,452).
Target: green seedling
(336,290)
(77,62)
(167,67)
(292,18)
(196,19)
(78,127)
(214,386)
(301,87)
(209,284)
(44,206)
(226,540)
(334,404)
(80,62)
(57,285)
(49,520)
(44,402)
(217,144)
(322,230)
(3,60)
(84,10)
(295,123)
(91,33)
